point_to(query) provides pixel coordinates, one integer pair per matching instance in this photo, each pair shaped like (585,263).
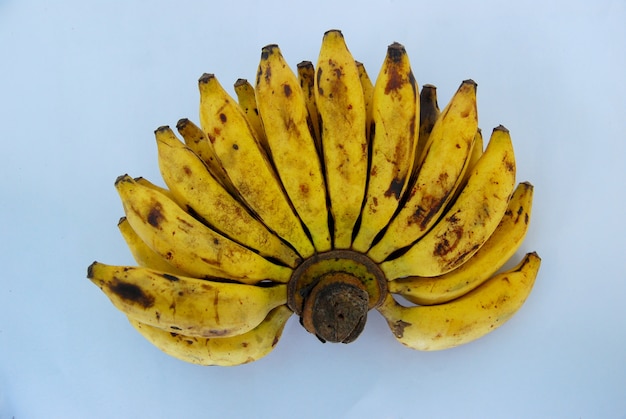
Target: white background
(84,84)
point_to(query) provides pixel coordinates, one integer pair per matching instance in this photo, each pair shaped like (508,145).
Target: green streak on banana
(248,103)
(395,125)
(341,105)
(470,220)
(447,151)
(496,251)
(188,244)
(199,192)
(306,78)
(191,306)
(283,110)
(469,317)
(197,141)
(223,351)
(247,165)
(142,253)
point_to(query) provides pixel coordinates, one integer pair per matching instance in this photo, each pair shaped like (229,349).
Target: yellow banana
(395,124)
(368,93)
(142,253)
(247,165)
(223,351)
(248,103)
(188,244)
(341,105)
(306,77)
(496,251)
(145,182)
(198,142)
(191,306)
(446,155)
(195,188)
(430,328)
(283,110)
(470,220)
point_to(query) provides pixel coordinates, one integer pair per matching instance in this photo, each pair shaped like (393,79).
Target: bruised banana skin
(440,170)
(469,222)
(247,165)
(395,125)
(496,251)
(223,351)
(198,191)
(341,106)
(142,253)
(191,306)
(188,244)
(469,317)
(283,110)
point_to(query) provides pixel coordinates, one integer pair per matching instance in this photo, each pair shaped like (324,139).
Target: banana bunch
(326,194)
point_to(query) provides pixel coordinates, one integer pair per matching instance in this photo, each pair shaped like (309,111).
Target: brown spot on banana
(155,215)
(131,293)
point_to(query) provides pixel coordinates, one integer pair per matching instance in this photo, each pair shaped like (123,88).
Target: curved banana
(142,253)
(247,165)
(496,251)
(445,157)
(222,351)
(188,244)
(395,128)
(341,105)
(306,78)
(282,107)
(198,142)
(248,103)
(430,328)
(470,220)
(191,306)
(195,189)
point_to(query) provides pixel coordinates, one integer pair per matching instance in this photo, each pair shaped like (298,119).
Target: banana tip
(122,178)
(206,77)
(90,269)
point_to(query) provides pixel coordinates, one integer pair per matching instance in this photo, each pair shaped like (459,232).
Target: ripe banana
(247,165)
(496,251)
(282,107)
(188,244)
(430,328)
(142,253)
(470,220)
(191,306)
(322,194)
(195,189)
(341,106)
(441,167)
(395,127)
(223,351)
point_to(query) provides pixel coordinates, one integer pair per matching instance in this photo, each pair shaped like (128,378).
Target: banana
(306,78)
(430,328)
(223,351)
(143,255)
(195,189)
(368,93)
(198,142)
(248,103)
(447,151)
(145,182)
(395,127)
(470,220)
(341,105)
(496,251)
(188,244)
(180,304)
(429,113)
(282,107)
(247,165)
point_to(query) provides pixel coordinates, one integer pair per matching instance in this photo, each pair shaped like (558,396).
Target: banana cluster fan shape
(308,162)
